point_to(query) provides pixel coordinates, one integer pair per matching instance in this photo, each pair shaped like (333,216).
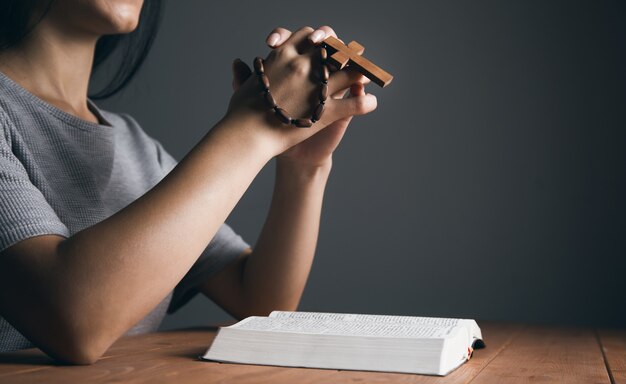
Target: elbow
(73,350)
(76,344)
(264,309)
(68,342)
(79,356)
(287,306)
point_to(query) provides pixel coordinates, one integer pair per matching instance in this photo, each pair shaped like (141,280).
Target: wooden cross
(343,54)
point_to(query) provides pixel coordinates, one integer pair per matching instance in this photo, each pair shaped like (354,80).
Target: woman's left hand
(317,150)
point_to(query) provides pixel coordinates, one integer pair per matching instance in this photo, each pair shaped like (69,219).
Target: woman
(98,223)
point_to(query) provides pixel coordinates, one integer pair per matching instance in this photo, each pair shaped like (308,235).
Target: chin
(122,16)
(98,17)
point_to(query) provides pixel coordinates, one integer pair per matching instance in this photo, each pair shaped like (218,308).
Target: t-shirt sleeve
(223,249)
(24,210)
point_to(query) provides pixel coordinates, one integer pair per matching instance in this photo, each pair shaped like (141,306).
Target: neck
(54,65)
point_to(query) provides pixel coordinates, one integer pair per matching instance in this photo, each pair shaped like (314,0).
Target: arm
(273,276)
(95,285)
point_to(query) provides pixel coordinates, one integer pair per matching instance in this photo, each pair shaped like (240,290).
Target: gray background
(489,183)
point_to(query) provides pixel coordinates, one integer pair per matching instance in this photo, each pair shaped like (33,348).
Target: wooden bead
(280,113)
(303,123)
(325,73)
(324,92)
(270,99)
(258,66)
(319,111)
(265,82)
(323,54)
(282,116)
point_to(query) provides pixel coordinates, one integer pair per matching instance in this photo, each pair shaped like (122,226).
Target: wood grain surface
(613,344)
(514,354)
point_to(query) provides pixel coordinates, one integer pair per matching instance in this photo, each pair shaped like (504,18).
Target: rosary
(341,56)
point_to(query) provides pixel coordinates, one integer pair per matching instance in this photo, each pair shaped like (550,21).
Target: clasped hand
(289,66)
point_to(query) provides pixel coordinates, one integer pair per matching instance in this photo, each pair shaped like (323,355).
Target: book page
(331,326)
(385,319)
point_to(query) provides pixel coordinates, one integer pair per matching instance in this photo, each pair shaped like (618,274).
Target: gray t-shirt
(60,174)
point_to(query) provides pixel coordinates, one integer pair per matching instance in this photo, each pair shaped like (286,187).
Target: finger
(340,80)
(321,33)
(352,106)
(342,93)
(299,40)
(357,89)
(241,72)
(277,37)
(317,36)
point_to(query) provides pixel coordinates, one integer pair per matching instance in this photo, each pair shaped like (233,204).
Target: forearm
(275,274)
(104,279)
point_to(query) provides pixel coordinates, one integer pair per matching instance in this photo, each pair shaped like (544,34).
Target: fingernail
(273,39)
(318,36)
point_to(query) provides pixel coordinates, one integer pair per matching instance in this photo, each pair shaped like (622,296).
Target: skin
(94,286)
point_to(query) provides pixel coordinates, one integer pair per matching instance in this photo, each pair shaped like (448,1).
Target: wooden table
(514,354)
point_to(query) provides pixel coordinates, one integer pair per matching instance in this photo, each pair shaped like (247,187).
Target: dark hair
(129,50)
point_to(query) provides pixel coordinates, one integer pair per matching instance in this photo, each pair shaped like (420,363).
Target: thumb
(353,105)
(241,72)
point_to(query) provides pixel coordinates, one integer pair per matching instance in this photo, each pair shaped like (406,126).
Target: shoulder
(123,121)
(133,135)
(127,127)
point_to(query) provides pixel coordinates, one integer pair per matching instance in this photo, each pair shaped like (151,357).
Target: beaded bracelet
(280,113)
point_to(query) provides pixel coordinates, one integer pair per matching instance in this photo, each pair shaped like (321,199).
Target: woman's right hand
(291,69)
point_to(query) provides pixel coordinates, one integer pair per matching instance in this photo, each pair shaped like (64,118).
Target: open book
(425,345)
